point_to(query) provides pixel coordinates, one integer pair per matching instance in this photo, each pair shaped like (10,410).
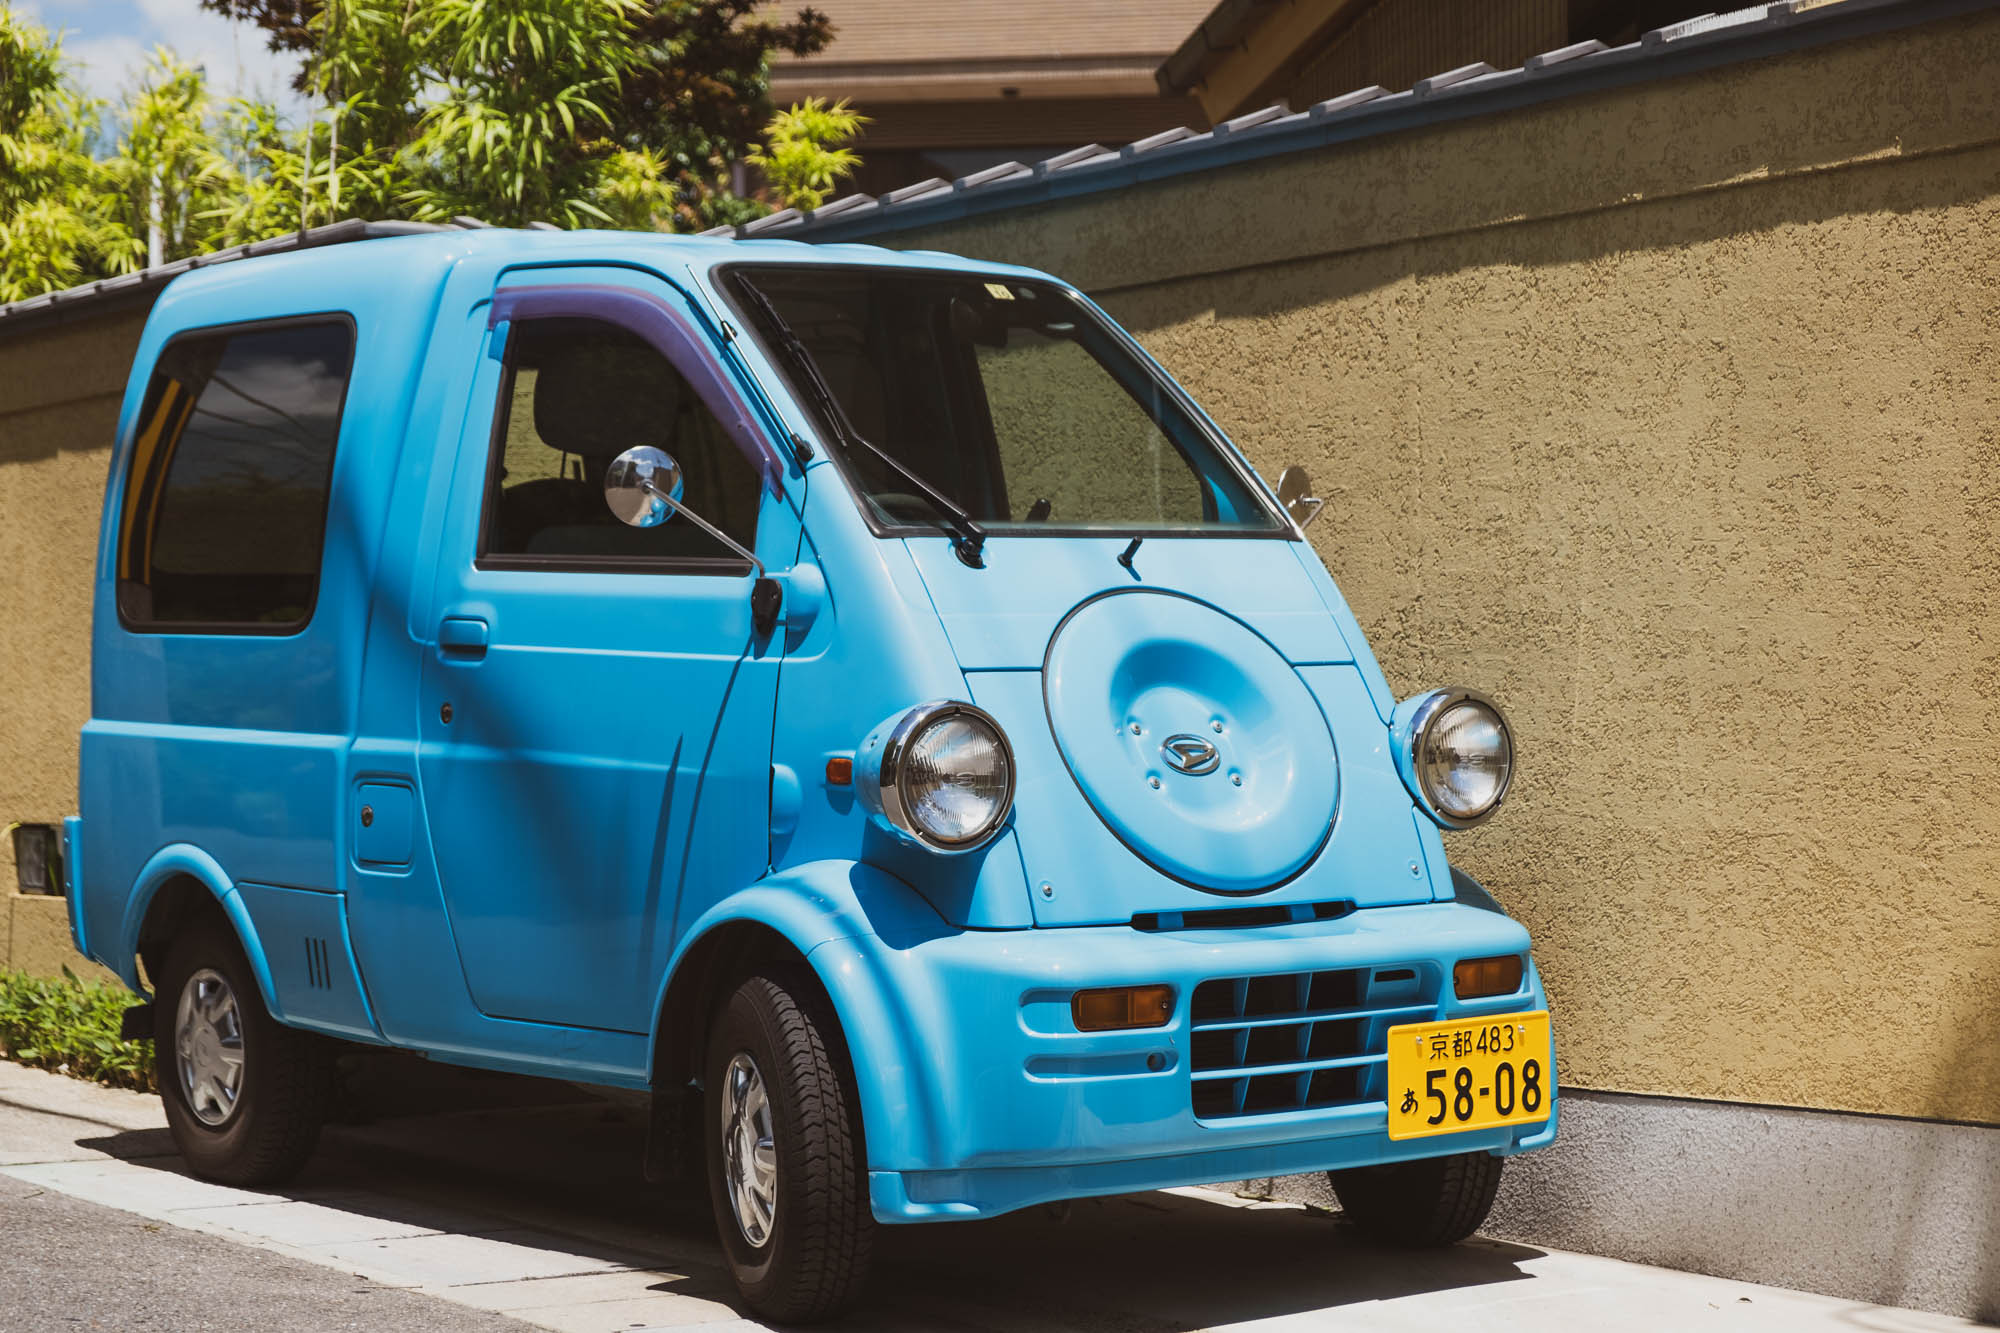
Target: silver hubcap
(208,1038)
(749,1155)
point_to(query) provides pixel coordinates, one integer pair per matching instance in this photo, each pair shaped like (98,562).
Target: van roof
(465,236)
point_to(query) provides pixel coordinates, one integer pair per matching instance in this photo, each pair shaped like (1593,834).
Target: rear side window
(225,514)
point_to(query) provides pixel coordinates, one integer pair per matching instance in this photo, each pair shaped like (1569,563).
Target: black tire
(1428,1203)
(285,1084)
(813,1259)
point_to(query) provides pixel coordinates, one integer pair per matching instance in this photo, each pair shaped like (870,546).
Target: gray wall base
(1895,1212)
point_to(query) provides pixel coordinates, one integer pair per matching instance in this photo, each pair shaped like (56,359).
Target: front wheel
(785,1168)
(244,1094)
(1436,1201)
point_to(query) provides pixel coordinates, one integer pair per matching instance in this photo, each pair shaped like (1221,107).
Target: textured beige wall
(59,396)
(1672,416)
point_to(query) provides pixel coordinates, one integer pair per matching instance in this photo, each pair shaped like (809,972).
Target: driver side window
(576,394)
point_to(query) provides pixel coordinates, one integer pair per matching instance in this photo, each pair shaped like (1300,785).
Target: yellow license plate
(1469,1073)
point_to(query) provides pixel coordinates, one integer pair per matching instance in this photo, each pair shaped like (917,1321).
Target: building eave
(863,82)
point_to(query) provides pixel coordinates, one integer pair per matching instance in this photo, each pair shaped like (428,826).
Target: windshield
(1013,399)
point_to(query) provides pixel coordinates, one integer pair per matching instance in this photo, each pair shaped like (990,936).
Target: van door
(595,711)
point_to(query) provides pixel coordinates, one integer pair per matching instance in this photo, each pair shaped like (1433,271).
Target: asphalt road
(66,1264)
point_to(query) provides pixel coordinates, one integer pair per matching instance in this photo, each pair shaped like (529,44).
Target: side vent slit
(319,972)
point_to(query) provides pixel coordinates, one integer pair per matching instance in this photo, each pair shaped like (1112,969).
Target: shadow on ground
(546,1165)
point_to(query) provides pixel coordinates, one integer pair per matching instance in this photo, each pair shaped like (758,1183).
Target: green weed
(71,1027)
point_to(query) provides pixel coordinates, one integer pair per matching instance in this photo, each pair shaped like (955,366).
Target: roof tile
(1073,157)
(1004,171)
(1437,83)
(923,187)
(1251,120)
(1334,106)
(1562,55)
(1152,141)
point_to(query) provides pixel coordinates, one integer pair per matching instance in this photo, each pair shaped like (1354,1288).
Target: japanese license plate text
(1469,1073)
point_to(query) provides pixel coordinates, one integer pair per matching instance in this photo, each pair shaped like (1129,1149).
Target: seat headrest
(600,395)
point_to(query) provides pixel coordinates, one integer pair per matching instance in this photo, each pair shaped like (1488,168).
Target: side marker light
(1122,1007)
(1475,978)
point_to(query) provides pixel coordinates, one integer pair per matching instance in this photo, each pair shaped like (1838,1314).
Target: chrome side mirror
(643,488)
(1295,494)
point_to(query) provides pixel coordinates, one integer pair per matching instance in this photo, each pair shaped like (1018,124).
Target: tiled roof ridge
(1695,43)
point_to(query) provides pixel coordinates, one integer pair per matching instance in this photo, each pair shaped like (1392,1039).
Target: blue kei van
(854,698)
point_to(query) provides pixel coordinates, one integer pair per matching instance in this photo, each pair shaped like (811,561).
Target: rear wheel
(785,1168)
(1436,1201)
(244,1094)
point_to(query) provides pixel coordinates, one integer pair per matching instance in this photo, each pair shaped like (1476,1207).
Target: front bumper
(981,1097)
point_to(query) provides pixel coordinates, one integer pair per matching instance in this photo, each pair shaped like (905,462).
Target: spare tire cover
(1192,738)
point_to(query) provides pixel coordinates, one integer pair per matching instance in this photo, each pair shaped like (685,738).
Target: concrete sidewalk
(522,1198)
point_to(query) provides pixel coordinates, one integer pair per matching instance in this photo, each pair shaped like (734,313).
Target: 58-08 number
(1461,1104)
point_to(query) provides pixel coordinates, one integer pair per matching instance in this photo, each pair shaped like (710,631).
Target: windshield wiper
(968,537)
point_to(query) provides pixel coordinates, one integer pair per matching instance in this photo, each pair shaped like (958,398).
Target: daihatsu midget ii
(855,699)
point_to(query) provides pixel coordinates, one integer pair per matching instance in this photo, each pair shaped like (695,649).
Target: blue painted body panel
(630,765)
(1003,616)
(1131,674)
(310,959)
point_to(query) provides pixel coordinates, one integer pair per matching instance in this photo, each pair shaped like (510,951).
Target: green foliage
(806,154)
(522,91)
(71,1027)
(58,219)
(169,174)
(257,172)
(634,189)
(626,113)
(580,112)
(689,92)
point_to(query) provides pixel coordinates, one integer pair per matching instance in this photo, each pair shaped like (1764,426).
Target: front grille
(1299,1041)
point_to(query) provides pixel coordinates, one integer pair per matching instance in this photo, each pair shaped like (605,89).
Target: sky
(107,41)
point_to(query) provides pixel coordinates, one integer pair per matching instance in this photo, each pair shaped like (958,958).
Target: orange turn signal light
(1473,978)
(840,771)
(1122,1007)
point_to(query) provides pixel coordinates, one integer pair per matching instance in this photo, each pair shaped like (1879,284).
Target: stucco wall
(1668,414)
(59,396)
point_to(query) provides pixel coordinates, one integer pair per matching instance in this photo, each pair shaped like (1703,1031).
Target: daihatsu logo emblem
(1190,755)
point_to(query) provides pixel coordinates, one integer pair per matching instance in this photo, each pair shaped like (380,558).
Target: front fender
(850,921)
(171,862)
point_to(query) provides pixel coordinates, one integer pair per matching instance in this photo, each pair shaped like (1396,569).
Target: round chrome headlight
(1456,753)
(942,775)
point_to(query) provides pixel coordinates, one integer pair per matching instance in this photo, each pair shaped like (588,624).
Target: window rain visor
(1014,399)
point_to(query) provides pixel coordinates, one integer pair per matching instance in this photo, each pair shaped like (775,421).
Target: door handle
(462,637)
